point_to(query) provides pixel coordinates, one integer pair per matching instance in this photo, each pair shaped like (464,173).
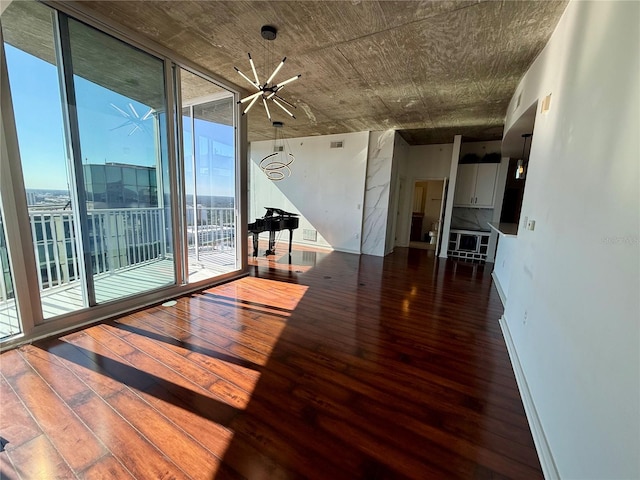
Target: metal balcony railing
(118,238)
(210,229)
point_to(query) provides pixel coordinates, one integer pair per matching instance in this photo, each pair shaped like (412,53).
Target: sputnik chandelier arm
(267,90)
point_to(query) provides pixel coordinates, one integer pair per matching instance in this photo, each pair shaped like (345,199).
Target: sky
(106,122)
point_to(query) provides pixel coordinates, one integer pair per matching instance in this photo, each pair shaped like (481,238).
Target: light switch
(531,225)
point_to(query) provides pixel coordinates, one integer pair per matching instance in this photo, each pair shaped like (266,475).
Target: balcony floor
(118,284)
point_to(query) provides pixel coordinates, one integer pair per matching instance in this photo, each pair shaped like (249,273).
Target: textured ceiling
(431,69)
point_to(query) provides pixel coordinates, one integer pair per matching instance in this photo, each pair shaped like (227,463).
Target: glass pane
(9,323)
(33,77)
(210,177)
(121,108)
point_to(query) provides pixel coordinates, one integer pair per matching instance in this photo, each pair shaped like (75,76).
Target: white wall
(503,266)
(573,302)
(480,148)
(429,161)
(326,188)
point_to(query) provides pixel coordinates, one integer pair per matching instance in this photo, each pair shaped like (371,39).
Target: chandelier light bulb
(280,85)
(266,107)
(275,72)
(253,67)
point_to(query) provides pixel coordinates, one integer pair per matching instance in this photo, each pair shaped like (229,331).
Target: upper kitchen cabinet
(476,185)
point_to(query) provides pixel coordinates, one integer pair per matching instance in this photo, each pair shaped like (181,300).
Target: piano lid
(279,211)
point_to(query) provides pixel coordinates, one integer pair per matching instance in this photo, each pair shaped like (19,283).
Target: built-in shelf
(468,245)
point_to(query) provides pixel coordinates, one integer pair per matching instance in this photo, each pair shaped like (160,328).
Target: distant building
(116,185)
(32,198)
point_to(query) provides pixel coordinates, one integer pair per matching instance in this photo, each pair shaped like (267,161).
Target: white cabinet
(476,185)
(465,184)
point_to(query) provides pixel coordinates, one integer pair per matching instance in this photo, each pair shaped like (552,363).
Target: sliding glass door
(120,97)
(109,204)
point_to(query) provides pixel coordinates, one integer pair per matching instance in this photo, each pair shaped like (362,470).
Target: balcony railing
(118,238)
(210,229)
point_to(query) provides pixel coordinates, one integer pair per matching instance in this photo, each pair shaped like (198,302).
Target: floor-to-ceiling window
(113,210)
(30,50)
(210,177)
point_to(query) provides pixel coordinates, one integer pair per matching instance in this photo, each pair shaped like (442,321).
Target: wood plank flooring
(121,283)
(331,366)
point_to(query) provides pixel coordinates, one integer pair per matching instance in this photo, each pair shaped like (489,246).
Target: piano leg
(272,243)
(255,244)
(290,240)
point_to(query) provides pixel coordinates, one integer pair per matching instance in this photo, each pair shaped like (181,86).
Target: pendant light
(270,89)
(521,168)
(277,165)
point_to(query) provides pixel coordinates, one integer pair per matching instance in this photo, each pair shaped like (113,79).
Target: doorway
(426,213)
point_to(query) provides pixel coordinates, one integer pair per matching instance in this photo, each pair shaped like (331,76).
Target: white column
(448,211)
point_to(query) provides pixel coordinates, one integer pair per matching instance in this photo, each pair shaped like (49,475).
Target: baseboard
(347,250)
(496,282)
(545,456)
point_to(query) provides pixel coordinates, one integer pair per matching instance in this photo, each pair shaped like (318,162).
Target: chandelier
(276,165)
(267,90)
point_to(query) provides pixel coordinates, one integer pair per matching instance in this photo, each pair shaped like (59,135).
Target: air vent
(278,148)
(311,235)
(338,144)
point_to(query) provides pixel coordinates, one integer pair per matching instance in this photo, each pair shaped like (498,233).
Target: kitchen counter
(505,229)
(470,232)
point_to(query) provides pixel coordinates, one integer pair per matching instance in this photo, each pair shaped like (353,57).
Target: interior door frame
(408,214)
(443,203)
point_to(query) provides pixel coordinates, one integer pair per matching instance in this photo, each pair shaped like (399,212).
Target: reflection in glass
(120,106)
(210,177)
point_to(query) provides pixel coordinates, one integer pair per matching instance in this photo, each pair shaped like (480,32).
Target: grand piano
(274,220)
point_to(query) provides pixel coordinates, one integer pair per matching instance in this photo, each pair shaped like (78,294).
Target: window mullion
(76,173)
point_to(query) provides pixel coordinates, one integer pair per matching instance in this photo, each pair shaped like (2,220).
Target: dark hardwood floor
(335,366)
